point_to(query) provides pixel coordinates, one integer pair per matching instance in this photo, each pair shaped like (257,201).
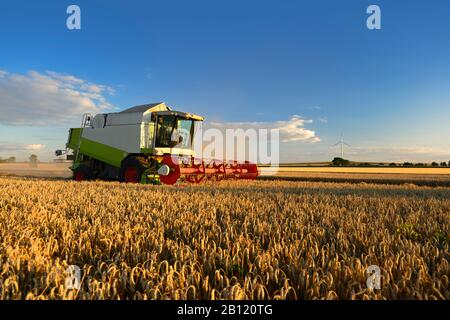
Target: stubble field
(228,240)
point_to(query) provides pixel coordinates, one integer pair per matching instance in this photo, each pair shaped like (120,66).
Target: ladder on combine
(85,121)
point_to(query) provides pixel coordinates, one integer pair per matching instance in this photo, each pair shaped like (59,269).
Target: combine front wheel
(131,170)
(82,173)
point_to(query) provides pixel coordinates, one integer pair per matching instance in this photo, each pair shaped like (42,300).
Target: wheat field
(228,240)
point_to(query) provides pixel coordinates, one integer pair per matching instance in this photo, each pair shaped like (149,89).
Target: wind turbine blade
(336,144)
(347,144)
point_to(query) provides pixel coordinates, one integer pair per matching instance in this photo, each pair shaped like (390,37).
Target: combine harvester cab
(147,144)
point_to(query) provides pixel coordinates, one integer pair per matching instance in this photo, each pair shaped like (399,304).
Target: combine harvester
(148,144)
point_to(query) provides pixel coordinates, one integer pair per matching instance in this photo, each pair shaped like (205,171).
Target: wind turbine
(342,143)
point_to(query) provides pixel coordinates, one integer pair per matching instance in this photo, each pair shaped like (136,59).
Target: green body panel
(147,151)
(96,150)
(74,136)
(102,152)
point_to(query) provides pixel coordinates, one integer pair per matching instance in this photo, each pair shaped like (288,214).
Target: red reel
(195,170)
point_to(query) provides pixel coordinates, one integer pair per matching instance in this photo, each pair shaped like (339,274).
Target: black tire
(82,173)
(131,170)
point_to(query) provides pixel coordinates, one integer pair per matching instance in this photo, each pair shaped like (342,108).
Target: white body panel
(123,137)
(118,119)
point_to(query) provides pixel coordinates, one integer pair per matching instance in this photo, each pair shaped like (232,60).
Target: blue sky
(388,90)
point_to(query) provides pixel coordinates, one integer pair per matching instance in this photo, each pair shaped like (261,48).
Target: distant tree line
(8,160)
(340,162)
(33,159)
(420,164)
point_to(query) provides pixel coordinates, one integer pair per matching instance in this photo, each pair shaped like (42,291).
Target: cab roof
(150,107)
(160,108)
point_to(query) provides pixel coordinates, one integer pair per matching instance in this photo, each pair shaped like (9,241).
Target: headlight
(164,170)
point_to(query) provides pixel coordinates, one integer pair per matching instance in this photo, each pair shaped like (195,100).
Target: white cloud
(12,147)
(48,98)
(64,78)
(291,130)
(37,146)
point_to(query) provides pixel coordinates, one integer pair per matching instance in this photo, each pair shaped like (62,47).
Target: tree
(443,164)
(392,164)
(434,164)
(337,161)
(33,158)
(407,164)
